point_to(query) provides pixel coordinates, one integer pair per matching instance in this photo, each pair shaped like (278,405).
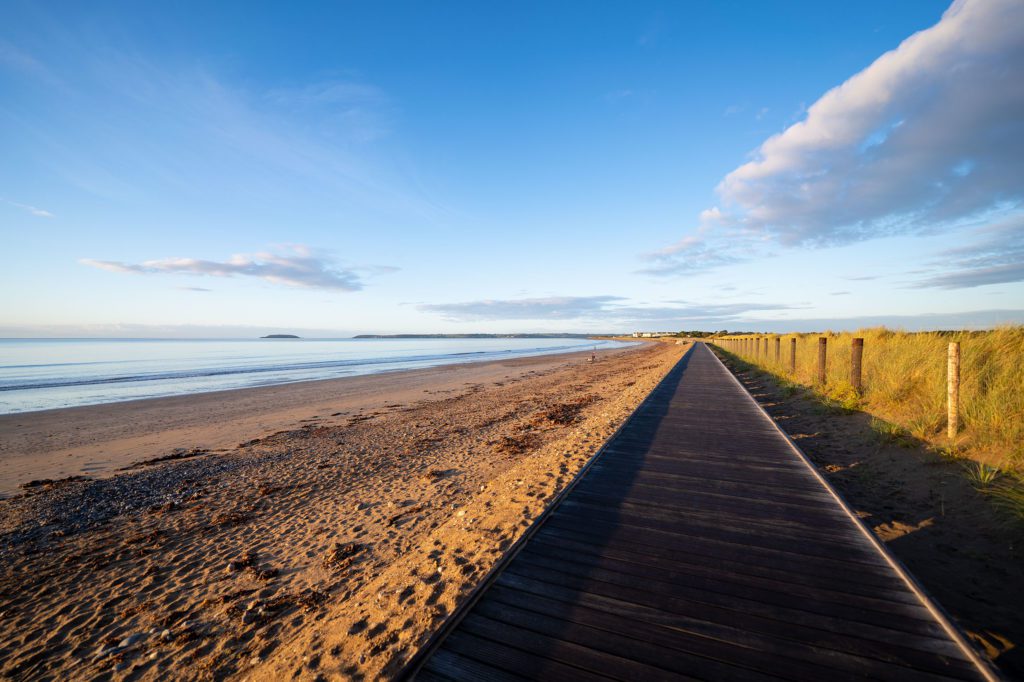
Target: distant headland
(280,336)
(472,336)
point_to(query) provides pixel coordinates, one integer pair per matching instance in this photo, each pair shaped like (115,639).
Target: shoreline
(163,377)
(101,440)
(320,551)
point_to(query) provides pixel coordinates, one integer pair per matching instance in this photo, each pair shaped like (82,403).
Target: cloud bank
(995,257)
(297,267)
(608,309)
(929,135)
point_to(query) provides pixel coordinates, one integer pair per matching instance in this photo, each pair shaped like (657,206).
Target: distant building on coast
(652,335)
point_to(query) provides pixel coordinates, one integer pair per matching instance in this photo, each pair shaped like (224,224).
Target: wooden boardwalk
(698,544)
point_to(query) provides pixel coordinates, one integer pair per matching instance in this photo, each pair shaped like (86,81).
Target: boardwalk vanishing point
(698,543)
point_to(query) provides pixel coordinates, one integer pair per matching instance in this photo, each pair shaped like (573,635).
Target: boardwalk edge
(986,668)
(420,658)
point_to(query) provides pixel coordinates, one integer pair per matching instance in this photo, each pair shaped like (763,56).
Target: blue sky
(450,167)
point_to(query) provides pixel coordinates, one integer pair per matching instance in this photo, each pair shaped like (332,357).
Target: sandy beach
(98,440)
(307,530)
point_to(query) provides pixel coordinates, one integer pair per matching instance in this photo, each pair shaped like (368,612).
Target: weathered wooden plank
(699,544)
(753,486)
(788,658)
(809,519)
(446,664)
(593,515)
(712,471)
(559,650)
(685,664)
(706,618)
(724,576)
(659,556)
(623,483)
(720,550)
(864,624)
(685,500)
(507,658)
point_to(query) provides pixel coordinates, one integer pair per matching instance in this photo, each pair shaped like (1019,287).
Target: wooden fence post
(792,356)
(953,390)
(856,358)
(822,346)
(778,350)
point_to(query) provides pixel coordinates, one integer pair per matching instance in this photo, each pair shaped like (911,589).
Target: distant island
(472,336)
(280,336)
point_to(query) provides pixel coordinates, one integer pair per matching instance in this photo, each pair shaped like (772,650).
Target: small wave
(289,367)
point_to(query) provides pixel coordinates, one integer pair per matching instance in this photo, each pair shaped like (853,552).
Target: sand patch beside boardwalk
(323,550)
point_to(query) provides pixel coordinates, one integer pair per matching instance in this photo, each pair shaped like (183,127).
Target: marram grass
(904,384)
(904,389)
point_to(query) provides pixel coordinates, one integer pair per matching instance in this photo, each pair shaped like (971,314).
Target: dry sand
(328,549)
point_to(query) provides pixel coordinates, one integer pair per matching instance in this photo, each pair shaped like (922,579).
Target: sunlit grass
(904,386)
(982,476)
(1008,494)
(890,434)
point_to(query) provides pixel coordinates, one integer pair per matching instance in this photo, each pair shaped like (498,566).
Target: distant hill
(472,336)
(280,336)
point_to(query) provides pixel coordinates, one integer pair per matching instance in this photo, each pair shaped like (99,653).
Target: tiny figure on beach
(593,357)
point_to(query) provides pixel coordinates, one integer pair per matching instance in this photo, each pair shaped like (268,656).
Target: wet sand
(338,526)
(98,440)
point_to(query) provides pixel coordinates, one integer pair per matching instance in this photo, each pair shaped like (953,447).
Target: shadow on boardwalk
(698,544)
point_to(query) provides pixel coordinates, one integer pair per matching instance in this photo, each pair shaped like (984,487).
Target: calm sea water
(41,374)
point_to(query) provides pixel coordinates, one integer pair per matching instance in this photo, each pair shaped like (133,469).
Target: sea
(44,374)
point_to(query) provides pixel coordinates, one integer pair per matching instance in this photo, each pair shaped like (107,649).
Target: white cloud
(335,92)
(929,135)
(297,267)
(39,212)
(161,331)
(361,110)
(717,241)
(17,60)
(995,256)
(551,308)
(188,129)
(609,309)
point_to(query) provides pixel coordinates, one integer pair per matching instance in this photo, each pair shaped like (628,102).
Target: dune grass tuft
(904,386)
(1008,494)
